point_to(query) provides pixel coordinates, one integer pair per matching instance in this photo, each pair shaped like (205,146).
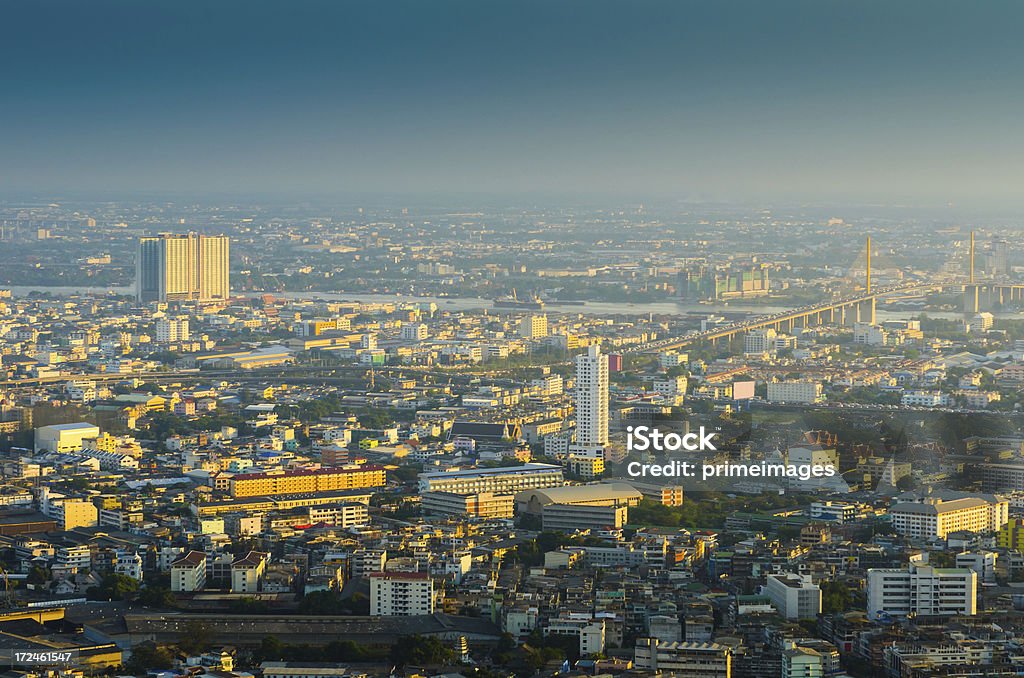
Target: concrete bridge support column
(972,298)
(866,311)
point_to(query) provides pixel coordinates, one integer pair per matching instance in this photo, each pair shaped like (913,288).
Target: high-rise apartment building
(591,401)
(794,596)
(414,332)
(921,590)
(759,341)
(190,267)
(170,330)
(533,327)
(934,518)
(188,573)
(401,594)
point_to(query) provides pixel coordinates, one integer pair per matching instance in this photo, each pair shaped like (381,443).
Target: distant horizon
(386,201)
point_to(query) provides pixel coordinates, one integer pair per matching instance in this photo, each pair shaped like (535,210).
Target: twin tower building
(189,267)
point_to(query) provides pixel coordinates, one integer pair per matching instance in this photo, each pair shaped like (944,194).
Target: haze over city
(874,102)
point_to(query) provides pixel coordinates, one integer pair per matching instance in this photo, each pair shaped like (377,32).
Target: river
(476,304)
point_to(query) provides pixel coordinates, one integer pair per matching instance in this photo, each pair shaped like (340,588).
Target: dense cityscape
(369,441)
(511,339)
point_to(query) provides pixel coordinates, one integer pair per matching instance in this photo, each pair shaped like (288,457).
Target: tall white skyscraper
(191,267)
(591,401)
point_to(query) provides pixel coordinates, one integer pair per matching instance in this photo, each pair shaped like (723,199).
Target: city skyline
(531,339)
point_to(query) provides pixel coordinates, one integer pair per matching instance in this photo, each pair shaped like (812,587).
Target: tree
(906,483)
(271,648)
(38,575)
(156,596)
(146,656)
(836,597)
(195,638)
(420,651)
(376,419)
(344,651)
(113,587)
(321,603)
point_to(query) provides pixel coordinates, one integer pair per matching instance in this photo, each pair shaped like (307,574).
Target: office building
(480,505)
(188,573)
(283,502)
(832,511)
(934,518)
(302,481)
(401,594)
(812,456)
(669,495)
(801,662)
(705,282)
(805,392)
(67,512)
(586,468)
(190,267)
(590,633)
(794,596)
(1011,535)
(693,660)
(572,517)
(248,572)
(591,402)
(340,515)
(533,327)
(982,563)
(982,321)
(921,590)
(669,359)
(670,386)
(414,332)
(170,330)
(880,470)
(499,480)
(759,341)
(927,399)
(548,386)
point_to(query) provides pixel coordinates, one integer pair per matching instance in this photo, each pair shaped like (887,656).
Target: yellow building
(306,480)
(587,468)
(481,505)
(103,443)
(1011,535)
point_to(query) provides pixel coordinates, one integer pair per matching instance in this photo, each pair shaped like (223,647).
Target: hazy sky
(876,101)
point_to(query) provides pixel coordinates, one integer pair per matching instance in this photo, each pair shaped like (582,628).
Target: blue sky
(912,102)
